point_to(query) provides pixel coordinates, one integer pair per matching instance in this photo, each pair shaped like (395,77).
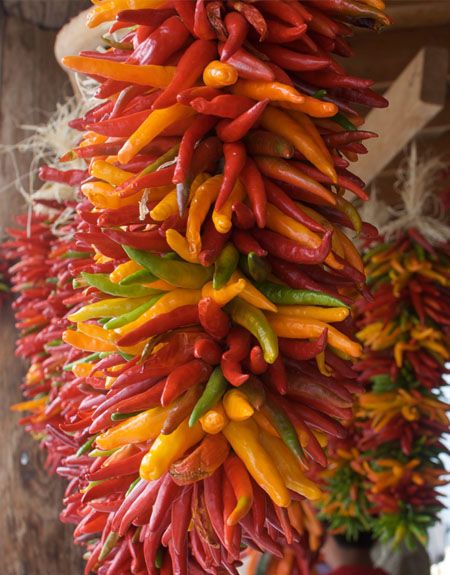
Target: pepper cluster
(192,371)
(387,477)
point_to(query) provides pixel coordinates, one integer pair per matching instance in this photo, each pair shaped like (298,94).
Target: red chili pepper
(235,156)
(144,17)
(276,376)
(257,363)
(237,28)
(252,15)
(256,191)
(303,350)
(365,97)
(295,61)
(124,216)
(150,241)
(184,377)
(278,197)
(213,243)
(70,177)
(234,130)
(186,11)
(232,533)
(260,537)
(343,138)
(179,317)
(180,519)
(141,401)
(280,34)
(206,156)
(212,486)
(214,13)
(203,92)
(246,243)
(213,319)
(201,126)
(291,251)
(125,466)
(208,350)
(249,66)
(329,79)
(238,341)
(189,68)
(224,106)
(165,41)
(243,217)
(106,246)
(161,177)
(121,127)
(202,26)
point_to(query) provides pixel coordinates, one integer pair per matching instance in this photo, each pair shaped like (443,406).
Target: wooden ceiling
(383,57)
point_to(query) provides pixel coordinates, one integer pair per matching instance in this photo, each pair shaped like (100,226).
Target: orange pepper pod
(219,74)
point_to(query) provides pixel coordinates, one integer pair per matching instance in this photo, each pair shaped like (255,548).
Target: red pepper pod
(256,191)
(234,130)
(235,156)
(184,377)
(237,28)
(223,106)
(243,217)
(213,319)
(208,350)
(303,350)
(291,251)
(246,243)
(249,67)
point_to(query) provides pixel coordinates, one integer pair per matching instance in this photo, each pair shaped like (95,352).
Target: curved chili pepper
(183,378)
(248,66)
(234,130)
(253,17)
(243,217)
(235,158)
(237,29)
(213,243)
(213,391)
(213,320)
(208,351)
(223,106)
(291,251)
(247,244)
(202,26)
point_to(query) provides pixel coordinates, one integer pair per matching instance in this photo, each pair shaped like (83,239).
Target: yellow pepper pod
(305,328)
(31,405)
(142,427)
(180,246)
(108,173)
(252,295)
(224,295)
(214,420)
(86,342)
(236,405)
(222,218)
(327,314)
(123,270)
(201,201)
(104,196)
(107,11)
(107,308)
(167,207)
(243,437)
(168,448)
(288,466)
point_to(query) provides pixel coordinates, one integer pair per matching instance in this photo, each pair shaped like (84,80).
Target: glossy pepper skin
(207,166)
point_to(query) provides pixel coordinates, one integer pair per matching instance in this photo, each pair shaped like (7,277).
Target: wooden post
(32,539)
(415,98)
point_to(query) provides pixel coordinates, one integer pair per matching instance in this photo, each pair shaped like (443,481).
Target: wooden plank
(416,97)
(419,14)
(32,540)
(44,13)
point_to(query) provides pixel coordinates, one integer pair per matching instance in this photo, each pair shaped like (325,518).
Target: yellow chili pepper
(214,420)
(86,342)
(351,254)
(224,295)
(167,207)
(222,218)
(168,448)
(148,75)
(123,270)
(168,302)
(108,173)
(82,369)
(305,328)
(321,364)
(282,124)
(107,308)
(179,244)
(243,437)
(30,405)
(156,122)
(219,74)
(308,125)
(96,332)
(289,467)
(328,314)
(104,196)
(237,406)
(202,199)
(142,427)
(252,295)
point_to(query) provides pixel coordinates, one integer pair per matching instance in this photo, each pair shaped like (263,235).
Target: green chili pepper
(225,265)
(74,254)
(180,274)
(101,453)
(121,416)
(132,486)
(263,564)
(286,430)
(213,391)
(282,295)
(108,545)
(125,318)
(166,157)
(86,446)
(105,285)
(258,267)
(69,366)
(139,277)
(344,122)
(254,320)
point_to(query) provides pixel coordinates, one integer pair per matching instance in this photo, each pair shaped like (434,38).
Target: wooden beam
(416,97)
(419,14)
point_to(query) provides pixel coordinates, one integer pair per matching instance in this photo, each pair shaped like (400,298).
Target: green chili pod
(225,265)
(214,389)
(282,295)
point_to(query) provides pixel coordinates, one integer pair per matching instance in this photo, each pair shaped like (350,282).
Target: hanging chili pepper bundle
(387,478)
(209,338)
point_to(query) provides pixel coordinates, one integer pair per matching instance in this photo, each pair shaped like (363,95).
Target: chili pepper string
(388,477)
(203,317)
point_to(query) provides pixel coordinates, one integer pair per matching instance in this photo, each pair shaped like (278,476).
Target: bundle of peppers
(386,475)
(201,359)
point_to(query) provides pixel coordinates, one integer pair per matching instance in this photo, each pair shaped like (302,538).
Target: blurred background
(409,63)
